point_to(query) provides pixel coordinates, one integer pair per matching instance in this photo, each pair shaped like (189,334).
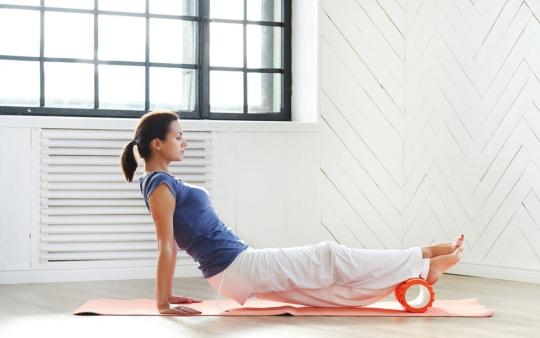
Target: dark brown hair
(151,125)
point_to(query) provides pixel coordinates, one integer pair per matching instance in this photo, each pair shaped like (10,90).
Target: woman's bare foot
(440,264)
(435,250)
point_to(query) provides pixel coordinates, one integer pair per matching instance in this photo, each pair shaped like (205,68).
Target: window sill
(76,122)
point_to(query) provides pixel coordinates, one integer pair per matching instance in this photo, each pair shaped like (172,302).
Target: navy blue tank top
(197,228)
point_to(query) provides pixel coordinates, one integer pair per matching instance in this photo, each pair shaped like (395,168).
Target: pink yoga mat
(258,307)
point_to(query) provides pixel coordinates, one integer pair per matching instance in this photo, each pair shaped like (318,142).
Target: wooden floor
(43,310)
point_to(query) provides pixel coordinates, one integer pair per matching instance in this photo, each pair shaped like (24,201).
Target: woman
(323,274)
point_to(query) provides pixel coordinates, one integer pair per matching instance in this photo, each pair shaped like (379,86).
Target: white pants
(326,274)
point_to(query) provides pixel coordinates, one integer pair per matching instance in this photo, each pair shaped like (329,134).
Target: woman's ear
(154,144)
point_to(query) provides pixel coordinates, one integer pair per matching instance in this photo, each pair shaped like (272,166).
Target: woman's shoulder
(150,181)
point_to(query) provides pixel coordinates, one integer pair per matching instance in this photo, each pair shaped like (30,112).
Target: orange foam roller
(422,302)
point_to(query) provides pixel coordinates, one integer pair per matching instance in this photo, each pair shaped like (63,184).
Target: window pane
(137,6)
(19,32)
(69,85)
(264,10)
(226,44)
(172,41)
(84,4)
(69,35)
(264,92)
(226,92)
(227,9)
(172,88)
(121,87)
(174,7)
(121,38)
(19,83)
(263,46)
(21,2)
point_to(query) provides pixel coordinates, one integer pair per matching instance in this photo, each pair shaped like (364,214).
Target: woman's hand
(182,299)
(180,310)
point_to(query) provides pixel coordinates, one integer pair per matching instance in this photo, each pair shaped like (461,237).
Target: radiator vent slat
(89,213)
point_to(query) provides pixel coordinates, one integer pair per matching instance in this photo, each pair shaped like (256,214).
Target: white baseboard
(188,270)
(90,274)
(496,272)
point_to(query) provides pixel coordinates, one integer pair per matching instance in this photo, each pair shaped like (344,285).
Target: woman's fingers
(183,299)
(179,310)
(187,310)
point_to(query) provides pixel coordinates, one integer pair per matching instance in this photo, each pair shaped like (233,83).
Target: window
(206,59)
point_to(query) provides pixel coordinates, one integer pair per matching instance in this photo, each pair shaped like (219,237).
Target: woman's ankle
(426,252)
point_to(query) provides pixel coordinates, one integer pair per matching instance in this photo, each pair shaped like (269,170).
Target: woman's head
(158,136)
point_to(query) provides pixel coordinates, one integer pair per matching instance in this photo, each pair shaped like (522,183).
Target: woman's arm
(161,204)
(166,262)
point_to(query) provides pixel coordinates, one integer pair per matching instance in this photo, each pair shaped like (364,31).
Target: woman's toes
(458,252)
(458,242)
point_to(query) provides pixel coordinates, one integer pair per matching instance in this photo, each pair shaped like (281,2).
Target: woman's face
(173,147)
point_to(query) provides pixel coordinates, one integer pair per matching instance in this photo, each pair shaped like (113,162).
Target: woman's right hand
(178,310)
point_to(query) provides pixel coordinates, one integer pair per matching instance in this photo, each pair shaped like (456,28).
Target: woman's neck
(150,169)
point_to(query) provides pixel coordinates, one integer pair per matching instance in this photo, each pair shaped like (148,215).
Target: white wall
(15,213)
(265,174)
(362,104)
(264,186)
(430,115)
(472,150)
(429,118)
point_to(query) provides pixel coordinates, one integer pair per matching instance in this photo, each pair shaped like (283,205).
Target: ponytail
(128,161)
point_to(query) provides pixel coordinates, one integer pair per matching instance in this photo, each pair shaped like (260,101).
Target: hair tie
(134,141)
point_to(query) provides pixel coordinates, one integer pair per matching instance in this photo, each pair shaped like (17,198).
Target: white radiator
(89,215)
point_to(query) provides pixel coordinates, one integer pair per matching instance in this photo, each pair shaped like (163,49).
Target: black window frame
(202,106)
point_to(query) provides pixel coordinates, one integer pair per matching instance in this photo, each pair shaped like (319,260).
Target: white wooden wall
(431,119)
(265,186)
(362,105)
(262,178)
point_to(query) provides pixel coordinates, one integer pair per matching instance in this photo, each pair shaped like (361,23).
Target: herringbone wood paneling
(432,127)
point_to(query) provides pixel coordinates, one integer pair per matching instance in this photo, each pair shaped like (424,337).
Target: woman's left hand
(183,299)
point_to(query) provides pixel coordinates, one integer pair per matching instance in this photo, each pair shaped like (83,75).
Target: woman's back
(197,227)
